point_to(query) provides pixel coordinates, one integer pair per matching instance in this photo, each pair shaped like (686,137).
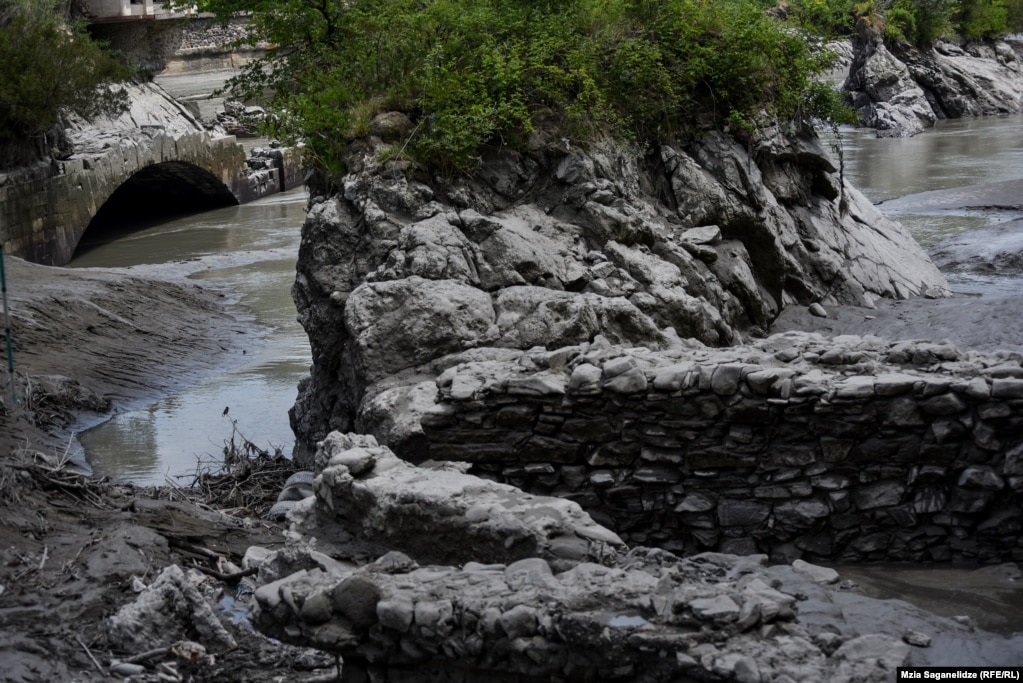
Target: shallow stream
(248,252)
(960,154)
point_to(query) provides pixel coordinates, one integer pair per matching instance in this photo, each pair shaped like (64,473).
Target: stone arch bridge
(45,210)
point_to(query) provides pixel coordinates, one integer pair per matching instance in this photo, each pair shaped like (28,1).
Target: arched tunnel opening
(159,192)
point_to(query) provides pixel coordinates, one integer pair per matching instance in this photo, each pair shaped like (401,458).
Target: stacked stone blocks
(852,450)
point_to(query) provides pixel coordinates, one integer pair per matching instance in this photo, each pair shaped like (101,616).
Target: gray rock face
(903,91)
(441,514)
(398,280)
(885,95)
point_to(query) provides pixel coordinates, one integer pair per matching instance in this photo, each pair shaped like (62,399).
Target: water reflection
(954,154)
(989,595)
(259,226)
(139,449)
(249,251)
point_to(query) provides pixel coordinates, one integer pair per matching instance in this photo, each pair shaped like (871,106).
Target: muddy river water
(249,253)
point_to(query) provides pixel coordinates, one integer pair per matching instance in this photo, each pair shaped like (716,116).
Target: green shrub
(49,66)
(828,17)
(478,73)
(1014,16)
(900,24)
(983,19)
(934,20)
(920,22)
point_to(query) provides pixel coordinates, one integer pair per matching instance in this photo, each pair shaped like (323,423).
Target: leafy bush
(473,73)
(49,66)
(900,24)
(828,17)
(983,18)
(920,22)
(1014,16)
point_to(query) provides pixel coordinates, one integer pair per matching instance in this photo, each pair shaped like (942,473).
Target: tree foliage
(828,17)
(986,18)
(49,66)
(473,73)
(920,22)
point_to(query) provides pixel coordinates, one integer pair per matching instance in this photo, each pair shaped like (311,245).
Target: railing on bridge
(132,10)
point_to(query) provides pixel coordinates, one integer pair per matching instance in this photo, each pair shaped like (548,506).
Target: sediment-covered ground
(87,341)
(73,550)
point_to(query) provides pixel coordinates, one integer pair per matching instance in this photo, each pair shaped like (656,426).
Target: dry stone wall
(653,619)
(848,449)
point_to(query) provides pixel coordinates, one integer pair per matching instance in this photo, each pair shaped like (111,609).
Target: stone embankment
(845,449)
(901,90)
(396,277)
(177,46)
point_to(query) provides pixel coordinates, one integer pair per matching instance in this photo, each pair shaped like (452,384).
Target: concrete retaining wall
(850,450)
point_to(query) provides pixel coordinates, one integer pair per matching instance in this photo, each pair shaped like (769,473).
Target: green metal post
(7,322)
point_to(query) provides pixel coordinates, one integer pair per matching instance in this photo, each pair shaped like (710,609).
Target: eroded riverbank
(28,601)
(86,342)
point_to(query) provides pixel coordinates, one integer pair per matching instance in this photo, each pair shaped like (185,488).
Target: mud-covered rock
(440,514)
(165,612)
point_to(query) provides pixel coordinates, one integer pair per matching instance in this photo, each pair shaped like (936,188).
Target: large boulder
(441,514)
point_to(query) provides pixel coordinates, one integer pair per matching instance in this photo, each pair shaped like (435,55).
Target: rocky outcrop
(901,90)
(401,277)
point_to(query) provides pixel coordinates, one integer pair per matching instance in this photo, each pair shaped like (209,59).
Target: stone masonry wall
(177,45)
(849,449)
(47,209)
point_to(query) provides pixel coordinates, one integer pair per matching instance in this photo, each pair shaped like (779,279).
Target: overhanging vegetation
(474,73)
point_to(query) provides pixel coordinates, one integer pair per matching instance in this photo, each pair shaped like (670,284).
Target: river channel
(961,155)
(248,253)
